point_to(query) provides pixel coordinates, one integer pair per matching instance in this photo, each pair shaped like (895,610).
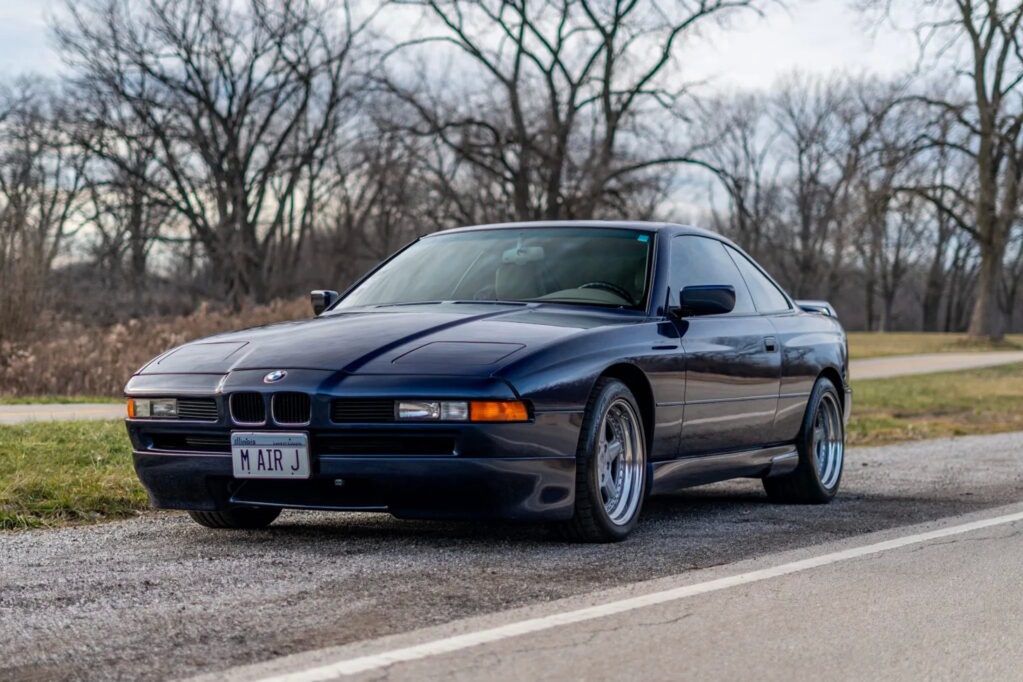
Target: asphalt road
(937,601)
(158,598)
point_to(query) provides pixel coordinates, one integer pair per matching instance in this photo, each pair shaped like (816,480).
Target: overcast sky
(818,36)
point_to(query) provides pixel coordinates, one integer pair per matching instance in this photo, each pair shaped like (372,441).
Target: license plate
(270,455)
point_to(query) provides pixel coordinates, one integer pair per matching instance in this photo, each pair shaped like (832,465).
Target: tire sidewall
(609,392)
(806,454)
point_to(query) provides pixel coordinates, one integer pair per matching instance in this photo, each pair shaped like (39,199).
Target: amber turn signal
(498,411)
(131,408)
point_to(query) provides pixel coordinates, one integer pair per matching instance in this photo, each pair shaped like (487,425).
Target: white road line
(472,639)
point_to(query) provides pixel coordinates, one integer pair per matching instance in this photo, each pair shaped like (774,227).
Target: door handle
(770,344)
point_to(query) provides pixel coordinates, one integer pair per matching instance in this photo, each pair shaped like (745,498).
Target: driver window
(703,261)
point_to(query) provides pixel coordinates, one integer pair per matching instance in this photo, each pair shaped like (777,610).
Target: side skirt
(686,472)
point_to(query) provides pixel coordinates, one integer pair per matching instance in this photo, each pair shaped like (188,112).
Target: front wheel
(236,518)
(610,466)
(821,446)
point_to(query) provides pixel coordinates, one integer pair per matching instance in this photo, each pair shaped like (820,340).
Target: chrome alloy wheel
(828,441)
(621,462)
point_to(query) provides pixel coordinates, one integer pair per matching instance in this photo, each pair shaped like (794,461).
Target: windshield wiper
(489,301)
(453,301)
(394,305)
(576,301)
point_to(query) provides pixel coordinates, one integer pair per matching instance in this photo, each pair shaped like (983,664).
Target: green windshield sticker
(643,238)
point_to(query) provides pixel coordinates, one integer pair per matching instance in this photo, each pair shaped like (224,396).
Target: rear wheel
(821,446)
(236,518)
(610,466)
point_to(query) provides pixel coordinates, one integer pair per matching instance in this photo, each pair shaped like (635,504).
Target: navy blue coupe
(539,371)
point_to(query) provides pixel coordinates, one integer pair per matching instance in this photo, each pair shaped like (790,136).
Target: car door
(799,367)
(733,367)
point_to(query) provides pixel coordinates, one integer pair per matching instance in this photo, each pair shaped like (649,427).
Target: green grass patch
(978,401)
(864,345)
(53,473)
(56,399)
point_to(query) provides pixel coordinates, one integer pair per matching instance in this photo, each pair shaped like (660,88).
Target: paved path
(902,365)
(158,597)
(17,414)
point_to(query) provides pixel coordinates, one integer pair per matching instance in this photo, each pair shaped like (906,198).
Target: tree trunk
(933,289)
(986,320)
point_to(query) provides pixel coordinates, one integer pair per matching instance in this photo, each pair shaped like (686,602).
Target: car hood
(423,339)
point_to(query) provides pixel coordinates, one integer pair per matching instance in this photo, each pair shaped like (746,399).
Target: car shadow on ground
(735,511)
(380,526)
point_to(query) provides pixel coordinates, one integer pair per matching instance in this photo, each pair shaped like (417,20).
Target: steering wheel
(608,286)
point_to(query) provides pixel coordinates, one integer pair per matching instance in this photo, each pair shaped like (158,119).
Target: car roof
(672,228)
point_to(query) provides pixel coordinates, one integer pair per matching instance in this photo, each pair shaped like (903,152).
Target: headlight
(461,410)
(433,410)
(145,408)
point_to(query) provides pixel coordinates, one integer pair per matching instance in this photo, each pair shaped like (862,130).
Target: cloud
(818,36)
(24,38)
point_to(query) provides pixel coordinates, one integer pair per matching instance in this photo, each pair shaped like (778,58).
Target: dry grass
(76,360)
(875,345)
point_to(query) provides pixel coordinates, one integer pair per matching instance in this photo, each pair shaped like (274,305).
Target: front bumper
(509,471)
(408,487)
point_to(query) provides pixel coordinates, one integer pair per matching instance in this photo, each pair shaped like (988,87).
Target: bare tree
(41,182)
(550,109)
(741,145)
(241,100)
(823,136)
(980,42)
(125,222)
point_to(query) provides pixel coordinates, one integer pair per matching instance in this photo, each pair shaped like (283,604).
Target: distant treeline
(240,151)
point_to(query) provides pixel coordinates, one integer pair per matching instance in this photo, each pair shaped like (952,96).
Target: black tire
(591,521)
(248,519)
(804,484)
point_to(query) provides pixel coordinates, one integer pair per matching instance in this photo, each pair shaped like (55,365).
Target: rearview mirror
(715,299)
(322,299)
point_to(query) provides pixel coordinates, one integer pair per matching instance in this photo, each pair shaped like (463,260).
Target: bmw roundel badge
(274,376)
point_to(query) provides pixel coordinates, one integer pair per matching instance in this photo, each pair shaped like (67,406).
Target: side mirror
(322,299)
(715,299)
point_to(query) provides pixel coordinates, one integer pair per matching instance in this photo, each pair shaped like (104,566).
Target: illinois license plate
(264,454)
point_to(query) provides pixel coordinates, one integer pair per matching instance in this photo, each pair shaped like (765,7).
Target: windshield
(591,266)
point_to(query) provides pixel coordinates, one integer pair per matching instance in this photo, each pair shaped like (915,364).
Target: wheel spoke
(614,451)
